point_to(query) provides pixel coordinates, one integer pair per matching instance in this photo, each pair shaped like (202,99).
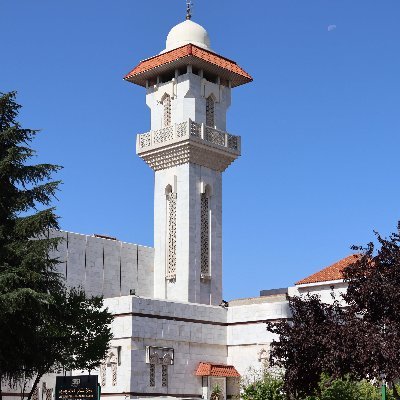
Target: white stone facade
(328,291)
(105,267)
(247,336)
(188,93)
(195,333)
(188,181)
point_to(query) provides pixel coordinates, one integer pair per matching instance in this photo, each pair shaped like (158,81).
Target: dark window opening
(210,111)
(119,354)
(182,70)
(210,77)
(224,82)
(167,77)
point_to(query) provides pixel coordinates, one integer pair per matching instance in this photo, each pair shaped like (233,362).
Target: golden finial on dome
(189,5)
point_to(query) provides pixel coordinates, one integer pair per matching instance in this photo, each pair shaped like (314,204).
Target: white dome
(187,32)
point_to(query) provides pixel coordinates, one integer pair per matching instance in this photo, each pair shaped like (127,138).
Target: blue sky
(320,123)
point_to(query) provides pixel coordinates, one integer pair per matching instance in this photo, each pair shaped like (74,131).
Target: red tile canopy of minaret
(182,56)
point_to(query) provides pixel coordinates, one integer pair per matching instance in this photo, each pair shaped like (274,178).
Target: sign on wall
(82,387)
(159,355)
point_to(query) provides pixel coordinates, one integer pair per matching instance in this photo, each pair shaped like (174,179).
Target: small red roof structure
(332,273)
(211,369)
(184,55)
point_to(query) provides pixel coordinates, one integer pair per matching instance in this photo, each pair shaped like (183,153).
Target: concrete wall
(247,335)
(105,267)
(327,291)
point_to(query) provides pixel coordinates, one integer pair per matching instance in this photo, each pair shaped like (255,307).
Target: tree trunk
(23,388)
(34,386)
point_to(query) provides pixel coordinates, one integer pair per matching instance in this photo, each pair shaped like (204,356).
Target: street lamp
(384,394)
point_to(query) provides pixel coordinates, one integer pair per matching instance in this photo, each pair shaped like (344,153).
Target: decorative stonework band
(188,142)
(197,321)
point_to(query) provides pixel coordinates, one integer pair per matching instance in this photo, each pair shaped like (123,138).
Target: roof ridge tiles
(332,272)
(190,46)
(188,50)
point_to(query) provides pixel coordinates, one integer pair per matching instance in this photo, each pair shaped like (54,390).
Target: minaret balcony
(188,142)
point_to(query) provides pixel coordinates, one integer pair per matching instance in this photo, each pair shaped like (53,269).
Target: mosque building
(174,336)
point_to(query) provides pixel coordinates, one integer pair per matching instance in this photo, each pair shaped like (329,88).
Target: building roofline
(333,272)
(206,59)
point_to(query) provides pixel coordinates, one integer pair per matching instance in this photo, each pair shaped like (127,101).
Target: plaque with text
(82,387)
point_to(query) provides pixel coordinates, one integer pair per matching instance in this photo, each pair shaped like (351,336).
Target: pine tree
(43,325)
(27,273)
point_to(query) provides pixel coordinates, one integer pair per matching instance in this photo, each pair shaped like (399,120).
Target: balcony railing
(186,130)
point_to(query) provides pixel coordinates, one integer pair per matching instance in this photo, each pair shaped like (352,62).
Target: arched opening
(168,189)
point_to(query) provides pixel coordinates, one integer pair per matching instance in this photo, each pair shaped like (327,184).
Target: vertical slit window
(164,375)
(205,234)
(171,234)
(103,374)
(167,110)
(152,376)
(210,111)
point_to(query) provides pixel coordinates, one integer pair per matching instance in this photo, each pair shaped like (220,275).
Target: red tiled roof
(332,273)
(211,369)
(239,75)
(160,59)
(219,61)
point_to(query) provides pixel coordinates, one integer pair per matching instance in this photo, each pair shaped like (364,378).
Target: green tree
(27,273)
(373,298)
(306,349)
(43,325)
(74,335)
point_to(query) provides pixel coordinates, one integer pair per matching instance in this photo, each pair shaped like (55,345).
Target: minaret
(188,89)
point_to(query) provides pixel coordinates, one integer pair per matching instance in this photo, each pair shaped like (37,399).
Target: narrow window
(167,110)
(114,373)
(103,374)
(205,232)
(119,353)
(164,375)
(152,376)
(210,111)
(171,233)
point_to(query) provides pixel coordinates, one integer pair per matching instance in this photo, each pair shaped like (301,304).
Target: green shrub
(346,389)
(265,387)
